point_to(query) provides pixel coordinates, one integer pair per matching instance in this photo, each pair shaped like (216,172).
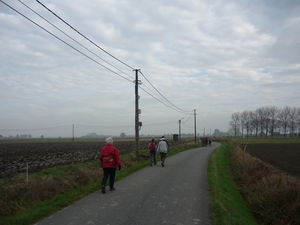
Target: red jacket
(109,156)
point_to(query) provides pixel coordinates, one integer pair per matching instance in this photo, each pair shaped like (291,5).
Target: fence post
(27,172)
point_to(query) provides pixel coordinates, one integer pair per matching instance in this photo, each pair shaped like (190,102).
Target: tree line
(266,121)
(22,136)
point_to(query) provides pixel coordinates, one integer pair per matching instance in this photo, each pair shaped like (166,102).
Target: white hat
(109,140)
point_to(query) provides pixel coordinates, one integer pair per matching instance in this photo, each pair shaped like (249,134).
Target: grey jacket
(163,146)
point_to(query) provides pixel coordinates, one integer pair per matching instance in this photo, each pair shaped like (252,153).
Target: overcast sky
(217,57)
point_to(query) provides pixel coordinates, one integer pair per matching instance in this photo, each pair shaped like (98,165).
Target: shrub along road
(174,194)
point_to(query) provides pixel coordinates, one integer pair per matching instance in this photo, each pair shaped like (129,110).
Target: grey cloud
(215,57)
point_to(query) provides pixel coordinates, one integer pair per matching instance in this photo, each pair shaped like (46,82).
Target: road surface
(176,194)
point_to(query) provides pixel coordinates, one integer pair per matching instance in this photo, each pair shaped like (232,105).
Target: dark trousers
(152,157)
(163,157)
(109,173)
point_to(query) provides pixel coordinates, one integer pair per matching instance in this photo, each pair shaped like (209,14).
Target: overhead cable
(163,95)
(101,126)
(64,41)
(162,102)
(172,106)
(156,124)
(45,128)
(83,35)
(72,38)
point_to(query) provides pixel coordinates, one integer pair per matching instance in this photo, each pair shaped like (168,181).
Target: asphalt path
(176,194)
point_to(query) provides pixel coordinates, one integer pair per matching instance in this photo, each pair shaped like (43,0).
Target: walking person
(152,151)
(202,141)
(206,141)
(163,148)
(110,160)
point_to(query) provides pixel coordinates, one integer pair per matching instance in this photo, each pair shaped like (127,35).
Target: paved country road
(176,194)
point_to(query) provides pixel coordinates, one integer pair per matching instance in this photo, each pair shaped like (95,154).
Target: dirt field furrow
(283,156)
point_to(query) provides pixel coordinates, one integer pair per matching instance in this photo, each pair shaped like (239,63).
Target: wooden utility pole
(73,139)
(179,131)
(179,134)
(137,112)
(195,125)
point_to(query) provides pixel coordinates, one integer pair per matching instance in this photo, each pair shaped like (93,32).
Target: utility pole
(137,112)
(195,125)
(73,139)
(179,135)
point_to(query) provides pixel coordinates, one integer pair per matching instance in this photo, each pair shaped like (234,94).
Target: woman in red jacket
(110,160)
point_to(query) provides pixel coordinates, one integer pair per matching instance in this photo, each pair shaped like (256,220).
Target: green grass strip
(48,207)
(227,204)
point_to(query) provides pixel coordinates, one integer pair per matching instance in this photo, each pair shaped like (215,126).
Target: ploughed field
(14,157)
(286,157)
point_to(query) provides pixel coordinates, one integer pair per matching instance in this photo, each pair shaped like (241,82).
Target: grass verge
(50,190)
(227,205)
(272,196)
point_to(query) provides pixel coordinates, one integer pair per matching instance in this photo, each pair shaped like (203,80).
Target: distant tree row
(266,121)
(22,136)
(218,133)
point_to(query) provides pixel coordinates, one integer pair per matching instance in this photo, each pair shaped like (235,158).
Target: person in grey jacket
(163,148)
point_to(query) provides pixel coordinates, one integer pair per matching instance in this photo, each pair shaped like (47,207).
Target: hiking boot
(162,164)
(112,189)
(103,189)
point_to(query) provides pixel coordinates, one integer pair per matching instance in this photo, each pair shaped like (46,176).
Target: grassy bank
(268,194)
(227,205)
(272,196)
(50,190)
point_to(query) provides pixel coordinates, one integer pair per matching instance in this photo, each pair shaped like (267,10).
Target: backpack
(152,146)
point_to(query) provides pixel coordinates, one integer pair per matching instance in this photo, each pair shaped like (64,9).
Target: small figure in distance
(110,160)
(202,141)
(152,151)
(163,149)
(206,141)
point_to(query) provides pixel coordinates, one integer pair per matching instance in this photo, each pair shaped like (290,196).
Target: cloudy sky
(75,65)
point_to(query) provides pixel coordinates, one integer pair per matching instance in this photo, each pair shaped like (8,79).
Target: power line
(100,126)
(156,124)
(172,106)
(32,129)
(110,55)
(72,38)
(64,41)
(163,95)
(160,100)
(83,35)
(190,116)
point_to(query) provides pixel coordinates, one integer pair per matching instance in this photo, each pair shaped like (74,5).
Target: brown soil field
(14,157)
(285,157)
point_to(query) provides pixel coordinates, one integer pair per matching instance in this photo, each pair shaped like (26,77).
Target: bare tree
(242,123)
(273,115)
(262,117)
(284,118)
(267,120)
(245,122)
(255,122)
(298,121)
(235,122)
(292,120)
